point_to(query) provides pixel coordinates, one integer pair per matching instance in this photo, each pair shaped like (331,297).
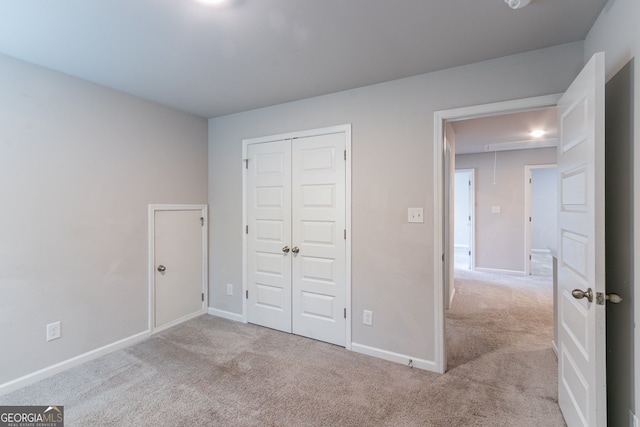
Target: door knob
(285,249)
(295,250)
(579,294)
(161,268)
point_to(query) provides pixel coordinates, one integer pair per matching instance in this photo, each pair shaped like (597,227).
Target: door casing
(153,208)
(440,118)
(346,129)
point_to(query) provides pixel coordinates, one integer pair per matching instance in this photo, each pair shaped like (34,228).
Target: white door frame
(346,129)
(472,214)
(439,119)
(152,267)
(527,213)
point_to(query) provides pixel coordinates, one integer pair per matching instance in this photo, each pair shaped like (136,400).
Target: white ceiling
(213,61)
(505,130)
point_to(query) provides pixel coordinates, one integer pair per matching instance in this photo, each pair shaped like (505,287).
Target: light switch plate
(416,214)
(495,209)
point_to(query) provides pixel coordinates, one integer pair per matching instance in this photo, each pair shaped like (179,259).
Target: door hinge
(469,253)
(345,234)
(469,183)
(529,180)
(246,229)
(529,219)
(442,257)
(246,294)
(202,297)
(202,221)
(345,154)
(345,313)
(529,257)
(246,163)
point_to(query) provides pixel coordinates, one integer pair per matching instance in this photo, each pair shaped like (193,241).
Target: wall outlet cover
(495,209)
(416,215)
(367,317)
(229,289)
(53,331)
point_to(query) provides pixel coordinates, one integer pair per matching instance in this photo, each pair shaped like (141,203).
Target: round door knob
(285,249)
(161,268)
(295,250)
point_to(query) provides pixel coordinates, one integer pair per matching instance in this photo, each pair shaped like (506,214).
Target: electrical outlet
(415,214)
(229,289)
(496,209)
(367,317)
(53,331)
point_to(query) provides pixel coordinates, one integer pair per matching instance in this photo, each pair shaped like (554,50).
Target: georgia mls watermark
(31,416)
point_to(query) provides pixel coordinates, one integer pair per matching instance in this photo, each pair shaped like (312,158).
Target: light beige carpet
(214,372)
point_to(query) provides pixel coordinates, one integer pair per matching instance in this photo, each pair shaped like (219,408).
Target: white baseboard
(499,271)
(451,297)
(49,371)
(178,321)
(226,315)
(394,357)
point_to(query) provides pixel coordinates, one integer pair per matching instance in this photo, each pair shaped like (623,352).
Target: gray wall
(500,237)
(79,164)
(392,169)
(615,33)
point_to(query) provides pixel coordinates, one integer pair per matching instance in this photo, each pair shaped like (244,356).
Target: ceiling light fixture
(538,133)
(517,4)
(215,3)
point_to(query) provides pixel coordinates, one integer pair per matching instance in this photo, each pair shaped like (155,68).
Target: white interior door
(581,262)
(178,265)
(463,214)
(319,237)
(268,193)
(296,248)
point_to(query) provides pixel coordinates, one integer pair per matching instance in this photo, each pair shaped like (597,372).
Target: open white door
(581,262)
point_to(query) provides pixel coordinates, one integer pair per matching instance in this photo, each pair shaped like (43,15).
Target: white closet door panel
(268,188)
(318,224)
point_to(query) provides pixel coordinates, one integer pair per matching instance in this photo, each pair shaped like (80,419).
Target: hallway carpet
(214,372)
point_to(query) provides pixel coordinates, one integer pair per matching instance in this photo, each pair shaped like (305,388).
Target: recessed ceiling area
(506,131)
(212,61)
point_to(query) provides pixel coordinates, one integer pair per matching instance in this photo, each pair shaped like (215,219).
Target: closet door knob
(161,268)
(285,249)
(295,250)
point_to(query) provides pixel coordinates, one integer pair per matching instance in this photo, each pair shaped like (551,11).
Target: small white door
(178,265)
(463,216)
(581,262)
(268,192)
(318,202)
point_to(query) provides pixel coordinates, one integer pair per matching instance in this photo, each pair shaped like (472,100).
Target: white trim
(554,347)
(178,321)
(226,315)
(439,118)
(153,208)
(472,212)
(346,129)
(52,370)
(402,359)
(527,212)
(500,271)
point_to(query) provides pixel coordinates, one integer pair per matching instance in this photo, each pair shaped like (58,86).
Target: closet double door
(296,229)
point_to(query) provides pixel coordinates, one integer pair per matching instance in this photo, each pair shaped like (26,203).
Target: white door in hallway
(581,261)
(179,278)
(296,250)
